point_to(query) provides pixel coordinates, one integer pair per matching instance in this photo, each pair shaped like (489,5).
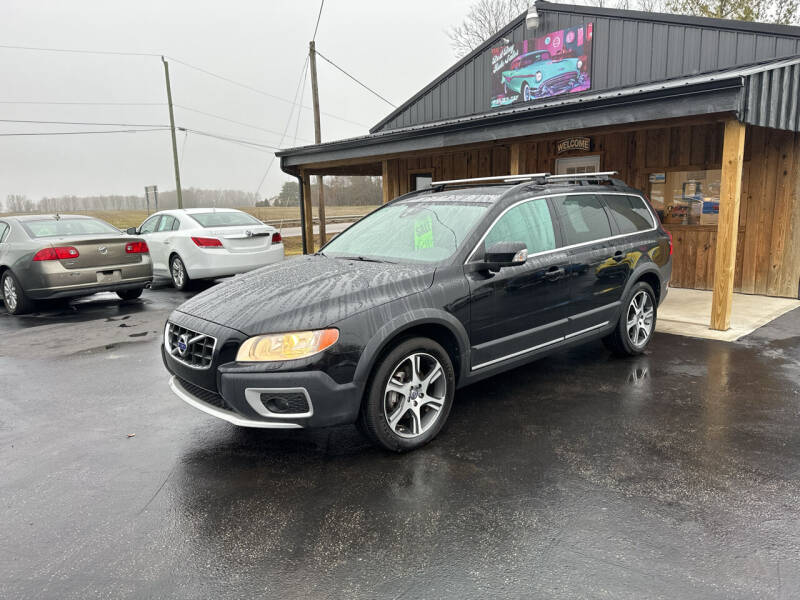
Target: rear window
(583,218)
(224,219)
(630,213)
(66,226)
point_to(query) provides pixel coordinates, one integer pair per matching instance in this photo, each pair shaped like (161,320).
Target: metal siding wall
(773,99)
(625,52)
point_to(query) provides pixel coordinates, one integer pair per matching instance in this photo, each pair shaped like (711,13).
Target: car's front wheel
(410,396)
(177,270)
(637,322)
(17,303)
(526,92)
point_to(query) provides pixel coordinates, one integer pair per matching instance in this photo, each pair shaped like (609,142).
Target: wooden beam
(728,225)
(385,181)
(309,213)
(517,158)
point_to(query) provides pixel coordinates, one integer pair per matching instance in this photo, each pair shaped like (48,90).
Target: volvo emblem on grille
(182,344)
(102,250)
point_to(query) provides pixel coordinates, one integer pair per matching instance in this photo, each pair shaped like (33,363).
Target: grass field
(133,218)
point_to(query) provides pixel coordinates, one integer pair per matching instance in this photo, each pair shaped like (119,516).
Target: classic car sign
(556,63)
(582,144)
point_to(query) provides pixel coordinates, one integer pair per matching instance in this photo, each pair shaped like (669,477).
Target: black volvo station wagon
(433,291)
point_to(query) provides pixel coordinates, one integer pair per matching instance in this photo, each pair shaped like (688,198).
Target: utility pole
(174,142)
(317,137)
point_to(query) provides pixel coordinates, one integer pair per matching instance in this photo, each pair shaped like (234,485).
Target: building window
(420,181)
(686,197)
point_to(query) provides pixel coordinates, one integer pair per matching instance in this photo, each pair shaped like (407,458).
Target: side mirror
(131,231)
(505,254)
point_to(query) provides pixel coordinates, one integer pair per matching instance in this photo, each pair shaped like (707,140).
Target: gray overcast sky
(396,48)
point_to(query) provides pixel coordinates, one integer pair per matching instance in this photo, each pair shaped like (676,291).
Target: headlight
(538,75)
(580,64)
(286,346)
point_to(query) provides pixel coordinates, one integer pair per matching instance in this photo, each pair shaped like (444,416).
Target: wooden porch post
(517,152)
(385,180)
(308,224)
(728,225)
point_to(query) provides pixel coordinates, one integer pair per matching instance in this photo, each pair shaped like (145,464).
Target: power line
(83,132)
(77,51)
(80,103)
(229,139)
(257,90)
(302,93)
(80,123)
(319,16)
(369,89)
(300,81)
(220,117)
(184,63)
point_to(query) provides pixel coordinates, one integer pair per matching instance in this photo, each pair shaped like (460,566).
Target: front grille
(562,81)
(285,403)
(193,349)
(204,395)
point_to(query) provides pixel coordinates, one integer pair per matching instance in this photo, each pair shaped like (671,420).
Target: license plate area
(109,276)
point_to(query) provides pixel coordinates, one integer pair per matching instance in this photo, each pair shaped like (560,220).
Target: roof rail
(498,178)
(574,176)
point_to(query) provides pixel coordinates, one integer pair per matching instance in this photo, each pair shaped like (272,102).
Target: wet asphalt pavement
(673,475)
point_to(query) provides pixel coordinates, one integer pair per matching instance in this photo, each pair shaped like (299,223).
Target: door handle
(554,273)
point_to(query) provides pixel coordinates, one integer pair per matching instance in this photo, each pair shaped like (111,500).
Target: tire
(177,271)
(14,298)
(637,322)
(416,409)
(526,91)
(130,294)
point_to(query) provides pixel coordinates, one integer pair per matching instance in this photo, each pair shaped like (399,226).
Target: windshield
(64,227)
(224,219)
(417,230)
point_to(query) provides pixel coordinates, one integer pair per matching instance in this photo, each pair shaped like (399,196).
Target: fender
(396,326)
(648,268)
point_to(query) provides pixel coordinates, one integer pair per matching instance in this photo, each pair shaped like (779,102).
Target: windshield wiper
(365,259)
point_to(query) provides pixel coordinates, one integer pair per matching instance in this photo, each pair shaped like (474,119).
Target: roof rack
(543,177)
(604,175)
(497,178)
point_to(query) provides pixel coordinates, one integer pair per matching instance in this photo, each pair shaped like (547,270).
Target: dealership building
(701,114)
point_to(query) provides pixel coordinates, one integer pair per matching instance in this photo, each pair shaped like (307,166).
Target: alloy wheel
(178,272)
(414,395)
(10,293)
(639,319)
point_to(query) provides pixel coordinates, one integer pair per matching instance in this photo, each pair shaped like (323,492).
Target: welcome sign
(556,63)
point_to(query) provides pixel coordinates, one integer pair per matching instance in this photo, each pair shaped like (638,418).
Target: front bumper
(236,396)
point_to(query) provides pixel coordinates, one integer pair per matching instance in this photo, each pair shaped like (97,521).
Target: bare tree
(17,203)
(484,19)
(772,11)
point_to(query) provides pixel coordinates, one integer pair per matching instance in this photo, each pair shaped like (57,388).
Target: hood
(308,292)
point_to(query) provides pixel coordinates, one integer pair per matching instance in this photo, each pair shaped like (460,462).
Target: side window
(529,222)
(166,223)
(3,232)
(629,212)
(176,224)
(583,218)
(149,226)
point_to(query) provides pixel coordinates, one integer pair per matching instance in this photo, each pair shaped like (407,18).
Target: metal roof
(628,48)
(764,94)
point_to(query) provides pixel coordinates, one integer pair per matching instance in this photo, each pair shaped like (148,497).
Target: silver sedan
(60,256)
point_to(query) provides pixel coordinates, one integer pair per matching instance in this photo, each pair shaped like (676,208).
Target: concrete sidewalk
(688,312)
